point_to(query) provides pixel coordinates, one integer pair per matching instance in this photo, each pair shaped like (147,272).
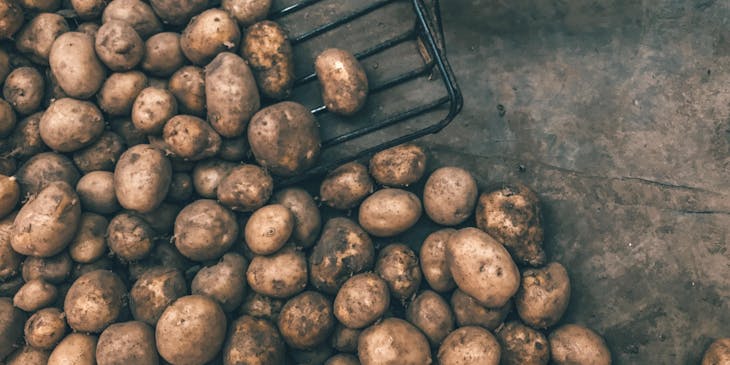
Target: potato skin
(469,312)
(45,328)
(188,86)
(267,50)
(28,355)
(37,36)
(154,291)
(89,243)
(152,108)
(362,300)
(191,138)
(246,188)
(75,66)
(344,339)
(469,345)
(9,194)
(434,266)
(307,219)
(191,331)
(162,54)
(34,295)
(393,341)
(46,224)
(118,45)
(103,154)
(177,12)
(450,195)
(432,315)
(342,359)
(11,326)
(343,80)
(398,166)
(69,124)
(346,186)
(25,140)
(9,259)
(119,91)
(53,269)
(543,296)
(43,169)
(280,275)
(253,341)
(94,301)
(129,237)
(209,33)
(576,344)
(8,120)
(96,192)
(23,89)
(717,353)
(142,178)
(205,230)
(397,264)
(76,349)
(127,343)
(261,306)
(136,13)
(88,9)
(522,345)
(231,94)
(482,267)
(224,282)
(208,174)
(269,228)
(306,320)
(389,212)
(247,12)
(11,19)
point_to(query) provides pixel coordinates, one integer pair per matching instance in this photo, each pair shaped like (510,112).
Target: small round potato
(522,345)
(543,296)
(343,81)
(267,50)
(125,128)
(100,155)
(342,359)
(469,345)
(205,230)
(34,295)
(225,281)
(469,312)
(188,86)
(398,166)
(136,13)
(575,344)
(253,341)
(88,9)
(11,326)
(232,97)
(45,168)
(129,237)
(178,12)
(434,266)
(306,320)
(432,315)
(25,140)
(247,12)
(154,291)
(8,120)
(246,188)
(142,178)
(717,353)
(9,194)
(307,219)
(11,19)
(191,330)
(118,45)
(69,125)
(127,343)
(208,174)
(9,259)
(119,91)
(397,264)
(94,301)
(89,244)
(23,89)
(482,267)
(36,37)
(191,138)
(53,269)
(344,339)
(512,216)
(209,33)
(346,186)
(280,275)
(28,355)
(261,306)
(362,300)
(389,212)
(76,349)
(269,228)
(45,328)
(393,341)
(75,66)
(162,54)
(152,108)
(96,192)
(450,195)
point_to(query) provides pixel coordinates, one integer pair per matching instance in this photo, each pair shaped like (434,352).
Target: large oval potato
(37,37)
(253,341)
(154,291)
(522,345)
(94,301)
(469,345)
(393,341)
(69,124)
(209,33)
(307,219)
(246,188)
(576,344)
(231,94)
(11,326)
(343,80)
(398,166)
(267,50)
(76,349)
(247,12)
(346,186)
(543,296)
(280,275)
(142,178)
(205,230)
(450,195)
(389,212)
(434,265)
(136,13)
(306,320)
(127,343)
(74,64)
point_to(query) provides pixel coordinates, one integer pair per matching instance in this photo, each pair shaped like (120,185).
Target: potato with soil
(398,166)
(96,192)
(717,353)
(432,315)
(208,174)
(306,320)
(127,343)
(469,345)
(152,108)
(11,326)
(247,12)
(75,66)
(576,344)
(389,212)
(94,301)
(11,19)
(119,91)
(361,300)
(9,194)
(89,244)
(88,9)
(232,96)
(45,168)
(162,54)
(522,345)
(46,224)
(178,12)
(398,265)
(512,216)
(543,296)
(45,328)
(25,140)
(482,267)
(69,125)
(190,138)
(8,120)
(267,50)
(393,341)
(261,306)
(307,219)
(205,230)
(125,128)
(118,45)
(187,84)
(450,195)
(280,275)
(208,34)
(10,286)
(191,330)
(100,155)
(9,259)
(253,341)
(344,339)
(34,295)
(136,13)
(225,281)
(37,37)
(268,229)
(53,269)
(154,291)
(142,178)
(76,349)
(434,265)
(346,186)
(343,81)
(469,312)
(246,188)
(28,355)
(129,237)
(23,89)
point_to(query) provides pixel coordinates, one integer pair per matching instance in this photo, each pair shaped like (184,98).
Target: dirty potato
(717,353)
(127,343)
(209,33)
(89,243)
(307,219)
(343,81)
(389,212)
(88,9)
(469,345)
(306,320)
(280,275)
(225,281)
(152,108)
(23,89)
(45,328)
(246,188)
(469,312)
(118,45)
(522,345)
(11,326)
(119,91)
(253,341)
(25,140)
(9,194)
(342,359)
(261,306)
(9,259)
(37,37)
(125,128)
(181,188)
(130,238)
(76,349)
(162,54)
(208,174)
(44,168)
(28,355)
(11,15)
(344,339)
(361,300)
(178,12)
(34,295)
(397,264)
(69,125)
(398,166)
(434,266)
(543,296)
(267,50)
(75,66)
(393,341)
(231,95)
(188,86)
(96,192)
(576,344)
(54,269)
(154,291)
(450,195)
(346,186)
(268,229)
(432,315)
(103,154)
(136,13)
(190,138)
(94,301)
(205,230)
(247,12)
(142,178)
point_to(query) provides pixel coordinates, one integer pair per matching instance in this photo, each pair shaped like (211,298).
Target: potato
(152,108)
(432,315)
(342,359)
(253,341)
(104,263)
(284,138)
(43,169)
(9,259)
(40,5)
(69,125)
(162,54)
(280,275)
(247,12)
(37,36)
(469,345)
(191,330)
(512,216)
(232,97)
(89,244)
(96,192)
(88,28)
(717,353)
(450,195)
(389,212)
(129,237)
(9,194)
(181,188)
(522,345)
(178,12)
(343,81)
(261,306)
(118,45)
(346,186)
(125,128)
(9,287)
(119,91)
(25,140)
(307,219)
(234,149)
(225,282)
(23,89)
(481,267)
(76,349)
(11,326)
(46,224)
(34,295)
(154,291)
(53,269)
(190,138)
(267,50)
(8,120)
(45,328)
(362,300)
(343,250)
(306,320)
(100,155)
(28,356)
(205,230)
(94,301)
(53,90)
(543,296)
(188,86)
(434,266)
(268,229)
(209,33)
(11,19)
(127,343)
(344,339)
(88,9)
(136,13)
(142,178)
(208,174)
(162,218)
(397,264)
(576,344)
(75,66)
(398,166)
(469,312)
(393,341)
(246,188)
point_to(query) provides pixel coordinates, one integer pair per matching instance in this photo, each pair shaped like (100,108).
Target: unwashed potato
(432,315)
(225,281)
(269,228)
(28,355)
(152,108)
(76,349)
(94,301)
(23,89)
(267,50)
(142,178)
(482,267)
(118,45)
(25,140)
(11,16)
(247,12)
(69,125)
(9,194)
(343,80)
(181,188)
(469,312)
(34,295)
(4,64)
(253,341)
(53,269)
(343,250)
(75,66)
(188,86)
(104,263)
(398,166)
(209,33)
(119,91)
(96,192)
(393,341)
(246,188)
(36,37)
(127,343)
(362,300)
(178,12)
(162,218)
(11,326)
(307,219)
(162,54)
(717,353)
(512,216)
(44,168)
(543,296)
(45,328)
(306,320)
(88,28)
(434,265)
(469,345)
(125,128)
(136,13)
(280,275)
(261,306)
(154,291)
(40,5)
(89,243)
(234,149)
(346,186)
(450,195)
(344,339)
(9,259)
(576,344)
(8,120)
(205,230)
(191,331)
(46,224)
(522,345)
(231,94)
(342,359)
(398,265)
(88,9)
(208,174)
(389,212)
(100,155)
(129,237)
(190,138)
